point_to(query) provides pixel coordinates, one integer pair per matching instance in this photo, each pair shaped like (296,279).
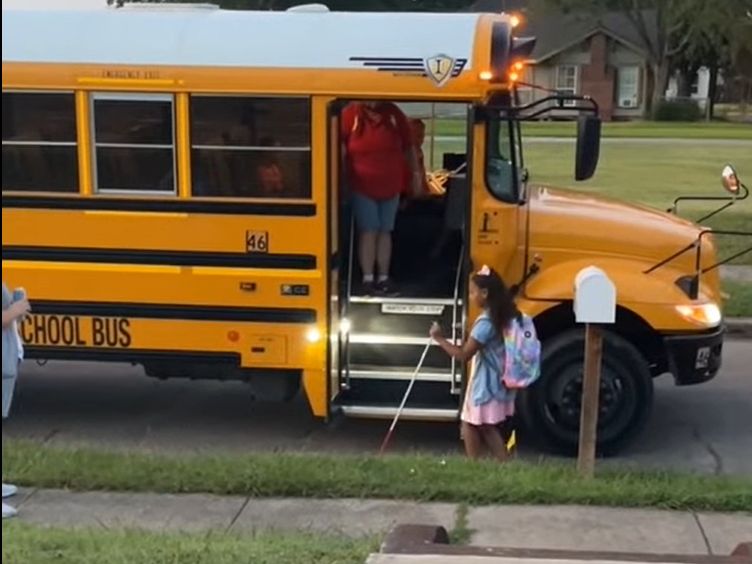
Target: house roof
(557,32)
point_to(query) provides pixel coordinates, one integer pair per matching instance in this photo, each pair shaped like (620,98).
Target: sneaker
(387,288)
(367,289)
(9,512)
(9,491)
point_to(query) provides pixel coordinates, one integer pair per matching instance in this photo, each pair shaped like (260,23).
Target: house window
(628,87)
(247,147)
(39,142)
(134,143)
(566,81)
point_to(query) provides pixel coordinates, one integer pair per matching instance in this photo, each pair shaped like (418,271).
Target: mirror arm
(729,259)
(730,199)
(716,211)
(552,104)
(695,286)
(668,259)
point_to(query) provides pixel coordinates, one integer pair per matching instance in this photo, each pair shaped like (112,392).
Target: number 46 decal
(257,241)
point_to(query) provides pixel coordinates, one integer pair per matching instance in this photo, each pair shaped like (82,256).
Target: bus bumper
(694,359)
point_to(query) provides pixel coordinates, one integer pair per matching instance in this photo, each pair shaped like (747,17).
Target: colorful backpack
(522,354)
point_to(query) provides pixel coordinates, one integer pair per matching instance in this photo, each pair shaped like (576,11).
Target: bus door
(377,338)
(337,365)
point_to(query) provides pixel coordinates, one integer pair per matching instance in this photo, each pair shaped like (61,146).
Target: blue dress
(487,400)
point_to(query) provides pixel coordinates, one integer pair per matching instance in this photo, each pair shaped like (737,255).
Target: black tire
(275,388)
(550,409)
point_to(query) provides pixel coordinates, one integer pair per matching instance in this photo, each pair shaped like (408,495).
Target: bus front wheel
(550,409)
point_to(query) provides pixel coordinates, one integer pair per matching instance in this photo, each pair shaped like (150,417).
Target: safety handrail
(457,383)
(346,306)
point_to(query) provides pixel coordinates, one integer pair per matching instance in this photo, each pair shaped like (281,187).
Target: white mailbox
(594,297)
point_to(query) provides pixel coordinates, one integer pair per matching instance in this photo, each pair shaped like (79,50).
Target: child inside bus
(488,402)
(269,172)
(418,129)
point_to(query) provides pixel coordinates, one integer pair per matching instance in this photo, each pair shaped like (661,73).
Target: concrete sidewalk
(532,527)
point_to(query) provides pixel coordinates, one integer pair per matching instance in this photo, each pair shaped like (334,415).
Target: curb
(431,540)
(739,327)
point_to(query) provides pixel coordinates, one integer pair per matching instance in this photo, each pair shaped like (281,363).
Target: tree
(718,40)
(665,28)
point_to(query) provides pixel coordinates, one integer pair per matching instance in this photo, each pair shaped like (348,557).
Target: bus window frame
(138,97)
(302,149)
(75,143)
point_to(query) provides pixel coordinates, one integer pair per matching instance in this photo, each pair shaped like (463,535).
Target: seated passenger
(269,176)
(269,172)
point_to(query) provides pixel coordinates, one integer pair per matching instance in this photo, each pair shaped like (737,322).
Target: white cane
(389,433)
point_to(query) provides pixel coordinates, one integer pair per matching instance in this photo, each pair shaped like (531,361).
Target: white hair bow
(484,271)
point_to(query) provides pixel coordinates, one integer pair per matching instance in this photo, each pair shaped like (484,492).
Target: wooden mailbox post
(594,305)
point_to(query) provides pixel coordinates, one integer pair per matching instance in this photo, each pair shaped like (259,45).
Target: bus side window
(39,142)
(134,143)
(247,147)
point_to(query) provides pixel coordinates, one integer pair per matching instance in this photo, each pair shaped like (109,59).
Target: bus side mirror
(730,180)
(588,146)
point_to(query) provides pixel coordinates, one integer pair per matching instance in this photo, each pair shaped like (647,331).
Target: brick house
(602,57)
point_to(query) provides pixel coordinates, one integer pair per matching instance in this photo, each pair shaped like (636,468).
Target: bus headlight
(313,335)
(707,315)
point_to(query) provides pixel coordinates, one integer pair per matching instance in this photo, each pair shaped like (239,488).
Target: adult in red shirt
(379,159)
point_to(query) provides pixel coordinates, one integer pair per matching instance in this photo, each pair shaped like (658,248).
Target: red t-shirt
(375,148)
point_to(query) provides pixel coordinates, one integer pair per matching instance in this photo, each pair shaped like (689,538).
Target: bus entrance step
(400,316)
(395,351)
(368,372)
(379,411)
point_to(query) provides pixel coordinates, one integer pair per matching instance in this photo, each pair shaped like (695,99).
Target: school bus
(134,216)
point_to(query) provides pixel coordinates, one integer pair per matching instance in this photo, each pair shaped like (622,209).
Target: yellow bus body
(207,310)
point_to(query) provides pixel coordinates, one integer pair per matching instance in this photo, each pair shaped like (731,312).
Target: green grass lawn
(27,544)
(739,303)
(633,129)
(422,478)
(652,174)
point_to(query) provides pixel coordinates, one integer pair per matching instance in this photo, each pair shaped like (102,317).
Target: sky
(57,4)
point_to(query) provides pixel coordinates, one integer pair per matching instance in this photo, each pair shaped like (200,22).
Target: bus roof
(224,38)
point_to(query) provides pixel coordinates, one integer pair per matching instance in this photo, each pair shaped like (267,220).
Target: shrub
(677,110)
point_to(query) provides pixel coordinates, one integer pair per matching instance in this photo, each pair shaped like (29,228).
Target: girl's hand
(435,331)
(20,309)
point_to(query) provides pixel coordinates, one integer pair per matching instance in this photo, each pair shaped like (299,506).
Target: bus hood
(567,221)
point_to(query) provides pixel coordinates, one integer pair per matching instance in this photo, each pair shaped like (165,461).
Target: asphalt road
(705,428)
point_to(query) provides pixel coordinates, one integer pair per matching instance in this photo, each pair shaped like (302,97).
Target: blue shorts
(374,215)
